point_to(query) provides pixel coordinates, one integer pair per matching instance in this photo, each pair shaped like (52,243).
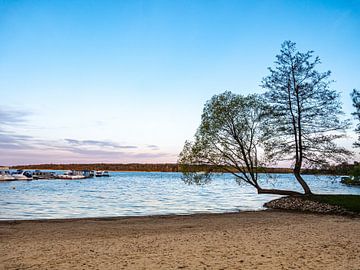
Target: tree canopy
(306,112)
(229,137)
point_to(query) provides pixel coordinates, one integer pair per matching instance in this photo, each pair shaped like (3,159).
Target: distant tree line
(104,167)
(341,169)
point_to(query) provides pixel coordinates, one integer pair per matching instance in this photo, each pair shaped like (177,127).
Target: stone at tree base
(299,203)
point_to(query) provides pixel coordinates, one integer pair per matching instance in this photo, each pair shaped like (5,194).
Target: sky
(125,81)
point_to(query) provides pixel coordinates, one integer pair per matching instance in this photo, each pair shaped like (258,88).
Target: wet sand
(248,240)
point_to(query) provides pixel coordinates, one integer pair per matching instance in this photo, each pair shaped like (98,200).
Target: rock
(299,203)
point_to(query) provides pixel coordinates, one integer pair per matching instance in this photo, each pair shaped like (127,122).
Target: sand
(248,240)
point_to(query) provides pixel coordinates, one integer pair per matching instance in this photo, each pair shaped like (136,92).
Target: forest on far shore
(341,169)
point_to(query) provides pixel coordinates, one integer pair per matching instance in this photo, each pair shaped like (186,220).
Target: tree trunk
(278,192)
(302,181)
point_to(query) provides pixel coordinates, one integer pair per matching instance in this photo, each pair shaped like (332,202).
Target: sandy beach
(248,240)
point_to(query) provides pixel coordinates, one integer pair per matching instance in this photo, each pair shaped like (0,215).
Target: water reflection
(138,194)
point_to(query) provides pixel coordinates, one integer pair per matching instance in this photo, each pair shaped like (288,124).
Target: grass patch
(350,181)
(349,202)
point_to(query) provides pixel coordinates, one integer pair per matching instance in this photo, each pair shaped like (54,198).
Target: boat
(88,174)
(71,175)
(102,174)
(22,175)
(5,175)
(37,174)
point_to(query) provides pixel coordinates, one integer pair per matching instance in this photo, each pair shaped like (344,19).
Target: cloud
(13,138)
(9,140)
(149,155)
(99,153)
(99,143)
(10,146)
(153,147)
(9,117)
(16,148)
(31,151)
(39,156)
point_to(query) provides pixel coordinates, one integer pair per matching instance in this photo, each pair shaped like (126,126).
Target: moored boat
(102,174)
(22,175)
(5,175)
(88,174)
(71,175)
(37,174)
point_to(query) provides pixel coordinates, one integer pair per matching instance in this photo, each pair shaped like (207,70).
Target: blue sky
(125,81)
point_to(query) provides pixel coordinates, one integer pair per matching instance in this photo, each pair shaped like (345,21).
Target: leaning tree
(228,139)
(306,113)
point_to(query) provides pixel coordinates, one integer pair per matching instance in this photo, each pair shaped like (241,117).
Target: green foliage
(196,178)
(355,171)
(349,202)
(351,181)
(228,138)
(354,179)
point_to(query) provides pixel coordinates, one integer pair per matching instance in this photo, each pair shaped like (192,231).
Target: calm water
(138,194)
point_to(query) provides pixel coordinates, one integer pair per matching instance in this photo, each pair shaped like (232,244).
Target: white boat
(5,175)
(22,175)
(88,174)
(71,175)
(43,175)
(102,174)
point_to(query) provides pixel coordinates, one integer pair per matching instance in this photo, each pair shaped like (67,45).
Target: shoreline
(169,216)
(290,204)
(114,218)
(245,240)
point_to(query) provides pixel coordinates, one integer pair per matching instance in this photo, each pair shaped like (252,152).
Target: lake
(144,193)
